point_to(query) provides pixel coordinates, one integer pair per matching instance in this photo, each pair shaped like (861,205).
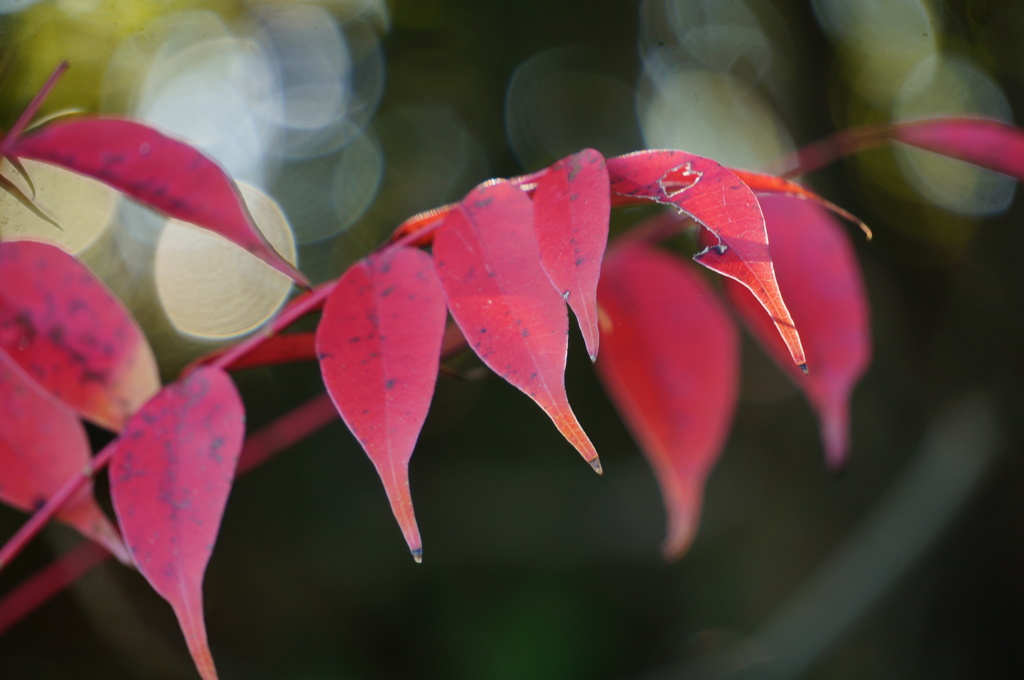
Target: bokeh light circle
(212,289)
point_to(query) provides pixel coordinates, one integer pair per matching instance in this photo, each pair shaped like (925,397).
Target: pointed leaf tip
(417,555)
(162,173)
(379,343)
(670,364)
(572,209)
(487,258)
(721,202)
(170,476)
(827,297)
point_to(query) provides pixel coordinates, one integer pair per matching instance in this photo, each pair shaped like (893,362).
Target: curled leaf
(669,361)
(487,259)
(379,344)
(760,183)
(722,203)
(170,477)
(158,171)
(71,335)
(819,276)
(571,212)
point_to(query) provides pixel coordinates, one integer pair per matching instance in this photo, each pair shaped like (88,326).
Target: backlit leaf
(819,276)
(379,343)
(669,361)
(170,478)
(487,259)
(69,334)
(723,204)
(158,171)
(42,445)
(571,211)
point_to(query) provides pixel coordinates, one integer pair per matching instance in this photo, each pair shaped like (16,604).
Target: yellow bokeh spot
(212,289)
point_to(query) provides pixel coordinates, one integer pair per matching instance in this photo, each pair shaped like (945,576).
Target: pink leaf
(487,257)
(669,362)
(160,172)
(988,143)
(69,334)
(170,478)
(42,445)
(571,212)
(724,205)
(819,276)
(379,343)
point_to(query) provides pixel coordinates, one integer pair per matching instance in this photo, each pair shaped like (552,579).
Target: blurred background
(344,117)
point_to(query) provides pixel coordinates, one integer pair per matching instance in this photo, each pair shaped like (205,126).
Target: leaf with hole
(819,275)
(725,206)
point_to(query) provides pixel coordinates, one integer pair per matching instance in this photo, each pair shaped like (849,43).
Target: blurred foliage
(534,567)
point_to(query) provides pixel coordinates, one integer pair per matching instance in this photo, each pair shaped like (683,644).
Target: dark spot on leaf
(389,384)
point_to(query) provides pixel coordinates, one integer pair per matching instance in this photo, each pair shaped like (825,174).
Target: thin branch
(42,586)
(30,111)
(260,446)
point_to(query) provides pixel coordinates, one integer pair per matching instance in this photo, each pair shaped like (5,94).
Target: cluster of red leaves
(504,263)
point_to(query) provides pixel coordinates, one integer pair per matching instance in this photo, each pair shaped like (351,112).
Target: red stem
(824,152)
(39,588)
(286,430)
(259,447)
(298,308)
(41,517)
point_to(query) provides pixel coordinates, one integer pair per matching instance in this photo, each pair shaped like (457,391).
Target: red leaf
(988,143)
(162,173)
(42,445)
(379,343)
(669,362)
(723,204)
(489,265)
(169,480)
(69,333)
(819,276)
(571,211)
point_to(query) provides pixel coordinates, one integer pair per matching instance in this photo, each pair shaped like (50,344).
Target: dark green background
(534,567)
